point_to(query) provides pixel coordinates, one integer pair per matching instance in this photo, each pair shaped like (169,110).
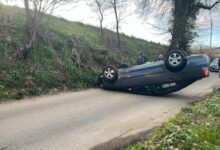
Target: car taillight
(205,72)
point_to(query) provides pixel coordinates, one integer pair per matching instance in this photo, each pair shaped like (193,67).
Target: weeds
(197,127)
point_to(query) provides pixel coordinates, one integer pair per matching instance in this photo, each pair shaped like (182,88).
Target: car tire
(110,74)
(175,60)
(123,66)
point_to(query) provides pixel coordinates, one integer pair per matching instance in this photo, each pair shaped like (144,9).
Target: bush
(46,79)
(45,57)
(14,77)
(3,50)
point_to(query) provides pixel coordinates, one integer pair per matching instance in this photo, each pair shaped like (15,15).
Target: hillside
(69,55)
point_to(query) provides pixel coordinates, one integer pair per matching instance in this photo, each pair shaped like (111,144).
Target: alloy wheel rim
(175,59)
(109,73)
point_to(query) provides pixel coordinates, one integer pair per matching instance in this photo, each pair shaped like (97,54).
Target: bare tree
(38,8)
(118,7)
(99,7)
(184,14)
(34,11)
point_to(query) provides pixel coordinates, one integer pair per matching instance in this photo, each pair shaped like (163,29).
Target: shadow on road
(120,143)
(171,96)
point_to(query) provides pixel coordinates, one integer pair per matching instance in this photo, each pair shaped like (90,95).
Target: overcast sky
(133,25)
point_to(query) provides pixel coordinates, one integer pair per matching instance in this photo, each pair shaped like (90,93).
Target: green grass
(50,64)
(196,128)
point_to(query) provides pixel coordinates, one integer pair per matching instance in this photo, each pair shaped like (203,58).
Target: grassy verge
(196,128)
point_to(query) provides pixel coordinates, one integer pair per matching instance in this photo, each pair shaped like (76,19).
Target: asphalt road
(81,120)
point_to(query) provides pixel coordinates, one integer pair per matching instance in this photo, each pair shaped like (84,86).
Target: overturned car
(176,72)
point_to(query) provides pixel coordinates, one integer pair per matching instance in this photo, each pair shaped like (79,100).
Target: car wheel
(110,74)
(175,60)
(123,66)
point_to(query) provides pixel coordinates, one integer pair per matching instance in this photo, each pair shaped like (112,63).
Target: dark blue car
(176,72)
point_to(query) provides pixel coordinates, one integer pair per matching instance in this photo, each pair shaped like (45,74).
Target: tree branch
(202,6)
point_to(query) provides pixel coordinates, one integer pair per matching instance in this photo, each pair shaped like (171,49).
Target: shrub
(14,77)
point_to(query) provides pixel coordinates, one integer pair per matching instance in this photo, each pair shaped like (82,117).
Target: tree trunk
(101,19)
(118,35)
(29,28)
(117,24)
(102,31)
(28,18)
(179,40)
(26,49)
